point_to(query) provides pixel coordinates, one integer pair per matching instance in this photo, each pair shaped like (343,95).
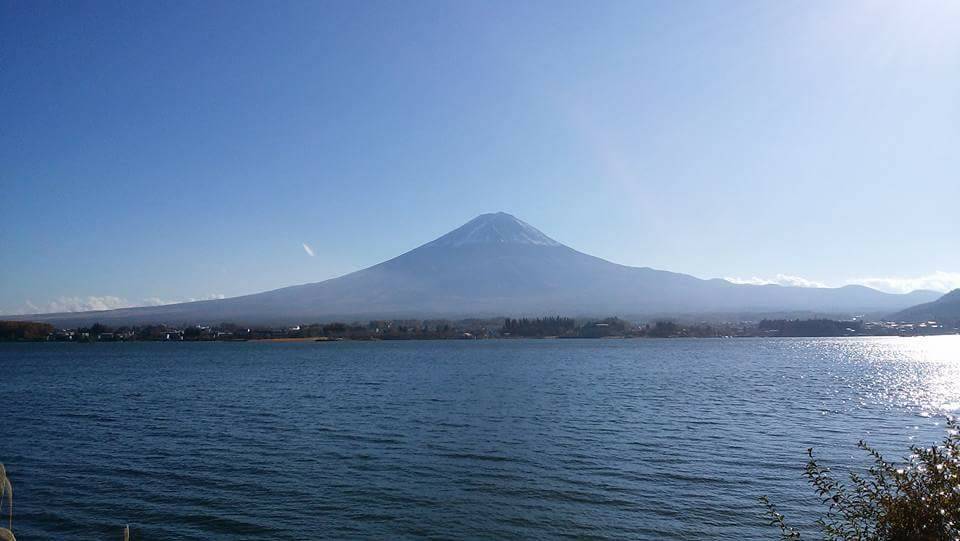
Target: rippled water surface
(619,439)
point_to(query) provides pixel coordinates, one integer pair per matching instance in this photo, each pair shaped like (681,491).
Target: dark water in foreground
(625,439)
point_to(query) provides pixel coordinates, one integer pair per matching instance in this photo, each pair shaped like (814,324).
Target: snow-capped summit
(494,228)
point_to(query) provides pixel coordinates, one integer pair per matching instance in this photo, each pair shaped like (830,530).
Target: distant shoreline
(497,339)
(557,327)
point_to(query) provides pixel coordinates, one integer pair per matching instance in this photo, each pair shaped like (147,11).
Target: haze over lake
(619,439)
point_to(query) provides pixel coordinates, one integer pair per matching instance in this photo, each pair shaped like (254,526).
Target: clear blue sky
(175,150)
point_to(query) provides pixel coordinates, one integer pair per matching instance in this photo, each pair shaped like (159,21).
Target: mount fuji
(498,265)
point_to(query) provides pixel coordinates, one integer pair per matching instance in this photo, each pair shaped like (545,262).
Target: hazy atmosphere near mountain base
(498,265)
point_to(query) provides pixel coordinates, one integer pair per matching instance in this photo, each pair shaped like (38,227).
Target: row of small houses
(68,335)
(910,329)
(206,333)
(166,335)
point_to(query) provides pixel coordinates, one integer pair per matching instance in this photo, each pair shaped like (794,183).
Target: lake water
(506,439)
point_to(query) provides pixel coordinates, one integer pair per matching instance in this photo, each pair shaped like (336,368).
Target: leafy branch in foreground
(918,500)
(6,492)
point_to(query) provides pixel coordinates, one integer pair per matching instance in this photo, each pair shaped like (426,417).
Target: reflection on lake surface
(631,439)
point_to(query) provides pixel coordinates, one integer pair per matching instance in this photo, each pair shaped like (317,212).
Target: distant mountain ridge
(498,265)
(945,309)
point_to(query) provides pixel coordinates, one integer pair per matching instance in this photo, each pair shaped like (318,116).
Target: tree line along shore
(492,328)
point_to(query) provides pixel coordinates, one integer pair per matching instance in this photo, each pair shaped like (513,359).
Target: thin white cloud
(780,279)
(308,249)
(937,281)
(156,301)
(210,297)
(77,304)
(105,302)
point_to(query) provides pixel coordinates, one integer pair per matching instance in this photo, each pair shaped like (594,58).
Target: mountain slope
(945,309)
(498,265)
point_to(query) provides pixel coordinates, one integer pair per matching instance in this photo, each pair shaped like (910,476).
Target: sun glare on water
(927,373)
